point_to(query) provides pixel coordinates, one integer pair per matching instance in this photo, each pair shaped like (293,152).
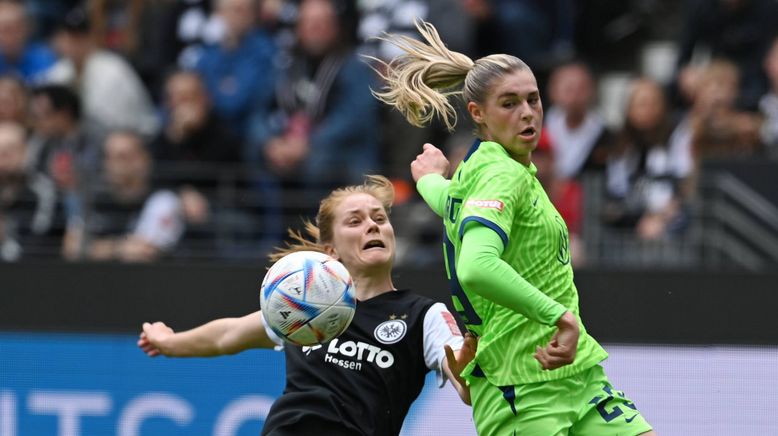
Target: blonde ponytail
(419,82)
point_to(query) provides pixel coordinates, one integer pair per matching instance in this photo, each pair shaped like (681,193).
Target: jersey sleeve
(494,196)
(440,328)
(434,190)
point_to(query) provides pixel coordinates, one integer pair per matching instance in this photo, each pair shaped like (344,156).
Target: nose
(372,226)
(526,111)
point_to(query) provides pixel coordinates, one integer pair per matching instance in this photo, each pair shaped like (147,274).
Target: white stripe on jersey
(439,331)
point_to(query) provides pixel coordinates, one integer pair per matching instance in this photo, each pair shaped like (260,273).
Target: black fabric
(110,217)
(348,386)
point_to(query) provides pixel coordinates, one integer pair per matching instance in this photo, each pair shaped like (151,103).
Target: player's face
(512,114)
(363,237)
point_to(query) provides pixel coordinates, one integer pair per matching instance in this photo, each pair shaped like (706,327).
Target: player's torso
(538,246)
(376,367)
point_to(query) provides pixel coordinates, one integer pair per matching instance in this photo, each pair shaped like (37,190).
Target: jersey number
(601,403)
(452,208)
(468,314)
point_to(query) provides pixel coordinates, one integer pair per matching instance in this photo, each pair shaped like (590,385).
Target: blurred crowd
(134,130)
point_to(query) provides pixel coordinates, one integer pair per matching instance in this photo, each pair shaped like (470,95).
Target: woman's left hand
(457,361)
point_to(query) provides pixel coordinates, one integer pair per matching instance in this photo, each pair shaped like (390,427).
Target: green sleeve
(481,270)
(434,190)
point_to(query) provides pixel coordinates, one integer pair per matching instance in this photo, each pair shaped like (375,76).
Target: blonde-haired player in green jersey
(536,372)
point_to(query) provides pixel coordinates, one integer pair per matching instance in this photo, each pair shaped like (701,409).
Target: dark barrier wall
(629,307)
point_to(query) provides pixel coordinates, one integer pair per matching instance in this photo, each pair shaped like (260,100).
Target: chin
(378,258)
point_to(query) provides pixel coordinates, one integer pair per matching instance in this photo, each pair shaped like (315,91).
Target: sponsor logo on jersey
(390,332)
(307,349)
(486,204)
(451,323)
(351,354)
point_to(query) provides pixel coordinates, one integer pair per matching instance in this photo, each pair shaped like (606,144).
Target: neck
(231,41)
(132,189)
(371,285)
(523,159)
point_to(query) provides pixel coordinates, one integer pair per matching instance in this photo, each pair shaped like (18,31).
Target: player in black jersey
(364,381)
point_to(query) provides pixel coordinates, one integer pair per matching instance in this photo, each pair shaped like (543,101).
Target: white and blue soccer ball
(307,298)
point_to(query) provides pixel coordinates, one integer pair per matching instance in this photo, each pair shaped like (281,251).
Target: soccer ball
(307,298)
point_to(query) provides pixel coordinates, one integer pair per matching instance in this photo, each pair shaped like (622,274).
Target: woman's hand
(430,161)
(561,350)
(457,361)
(152,337)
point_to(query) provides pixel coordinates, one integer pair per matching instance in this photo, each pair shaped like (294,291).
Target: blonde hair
(420,81)
(318,235)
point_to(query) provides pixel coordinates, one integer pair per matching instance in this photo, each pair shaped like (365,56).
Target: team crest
(390,332)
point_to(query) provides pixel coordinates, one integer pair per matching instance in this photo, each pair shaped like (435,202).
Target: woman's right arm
(429,171)
(218,337)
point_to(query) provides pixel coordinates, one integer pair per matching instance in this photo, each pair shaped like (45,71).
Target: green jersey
(492,189)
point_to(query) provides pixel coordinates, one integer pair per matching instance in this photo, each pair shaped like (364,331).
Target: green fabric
(584,404)
(479,264)
(434,190)
(491,189)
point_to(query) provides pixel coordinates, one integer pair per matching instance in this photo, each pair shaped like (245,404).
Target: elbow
(470,279)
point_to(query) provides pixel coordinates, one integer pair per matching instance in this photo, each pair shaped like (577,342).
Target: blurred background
(152,152)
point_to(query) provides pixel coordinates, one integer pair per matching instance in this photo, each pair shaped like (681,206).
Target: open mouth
(375,243)
(528,132)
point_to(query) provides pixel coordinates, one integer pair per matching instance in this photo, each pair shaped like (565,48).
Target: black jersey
(364,381)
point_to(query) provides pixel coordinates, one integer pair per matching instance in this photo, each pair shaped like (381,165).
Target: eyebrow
(357,210)
(513,94)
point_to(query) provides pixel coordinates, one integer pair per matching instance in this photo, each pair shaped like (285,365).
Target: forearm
(218,337)
(433,188)
(203,341)
(481,270)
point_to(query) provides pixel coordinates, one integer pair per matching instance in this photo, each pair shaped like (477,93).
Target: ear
(475,112)
(331,252)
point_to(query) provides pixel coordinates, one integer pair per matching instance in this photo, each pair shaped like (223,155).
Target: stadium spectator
(112,95)
(129,220)
(142,32)
(59,147)
(720,129)
(27,200)
(191,131)
(578,133)
(768,105)
(19,56)
(13,100)
(547,28)
(645,177)
(323,126)
(740,30)
(237,70)
(194,139)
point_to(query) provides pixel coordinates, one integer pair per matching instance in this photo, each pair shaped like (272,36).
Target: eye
(353,221)
(534,100)
(508,104)
(380,219)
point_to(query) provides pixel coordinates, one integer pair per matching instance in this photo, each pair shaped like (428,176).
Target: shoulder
(492,154)
(163,198)
(40,52)
(260,43)
(104,62)
(491,162)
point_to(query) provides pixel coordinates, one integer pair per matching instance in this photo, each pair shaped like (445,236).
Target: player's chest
(375,343)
